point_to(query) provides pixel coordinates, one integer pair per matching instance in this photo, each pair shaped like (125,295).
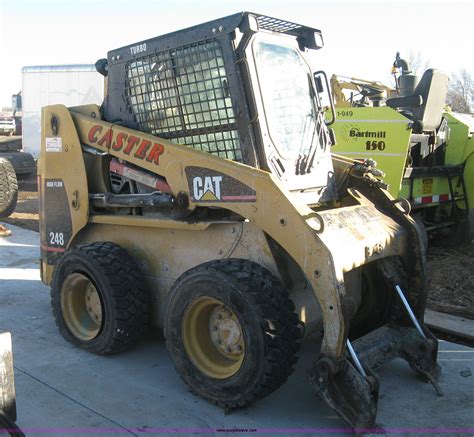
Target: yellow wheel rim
(81,306)
(213,338)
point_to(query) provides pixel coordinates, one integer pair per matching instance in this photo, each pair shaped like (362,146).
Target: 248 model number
(56,238)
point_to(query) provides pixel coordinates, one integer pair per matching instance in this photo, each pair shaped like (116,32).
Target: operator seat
(426,102)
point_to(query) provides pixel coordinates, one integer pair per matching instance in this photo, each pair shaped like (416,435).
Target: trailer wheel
(99,299)
(8,188)
(231,331)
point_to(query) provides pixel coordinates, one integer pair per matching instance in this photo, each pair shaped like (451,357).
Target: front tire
(99,299)
(231,331)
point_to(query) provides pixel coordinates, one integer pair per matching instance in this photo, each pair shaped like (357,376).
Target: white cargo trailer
(70,85)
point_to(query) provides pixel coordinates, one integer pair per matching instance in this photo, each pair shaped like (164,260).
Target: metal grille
(275,25)
(183,95)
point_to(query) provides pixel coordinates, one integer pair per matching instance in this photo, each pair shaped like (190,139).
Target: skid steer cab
(202,197)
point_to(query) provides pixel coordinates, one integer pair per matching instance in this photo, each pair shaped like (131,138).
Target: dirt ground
(450,270)
(26,211)
(451,276)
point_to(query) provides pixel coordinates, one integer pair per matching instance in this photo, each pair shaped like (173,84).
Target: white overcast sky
(361,36)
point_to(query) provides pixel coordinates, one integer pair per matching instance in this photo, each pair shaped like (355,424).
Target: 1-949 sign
(375,145)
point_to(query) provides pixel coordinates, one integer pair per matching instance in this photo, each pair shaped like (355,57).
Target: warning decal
(54,144)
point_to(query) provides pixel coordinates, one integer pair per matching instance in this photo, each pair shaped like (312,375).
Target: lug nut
(228,350)
(219,341)
(238,348)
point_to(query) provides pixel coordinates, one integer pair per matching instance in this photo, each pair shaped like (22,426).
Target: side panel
(460,143)
(64,196)
(165,254)
(461,149)
(430,190)
(469,181)
(378,133)
(56,229)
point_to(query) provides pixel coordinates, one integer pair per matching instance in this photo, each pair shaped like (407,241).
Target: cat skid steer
(203,197)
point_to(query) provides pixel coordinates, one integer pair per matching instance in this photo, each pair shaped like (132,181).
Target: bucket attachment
(350,386)
(353,396)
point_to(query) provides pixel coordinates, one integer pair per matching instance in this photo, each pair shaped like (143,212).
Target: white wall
(67,85)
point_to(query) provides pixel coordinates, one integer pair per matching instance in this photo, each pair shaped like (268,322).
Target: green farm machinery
(426,151)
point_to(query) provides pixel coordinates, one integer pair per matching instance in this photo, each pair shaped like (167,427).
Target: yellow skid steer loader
(202,197)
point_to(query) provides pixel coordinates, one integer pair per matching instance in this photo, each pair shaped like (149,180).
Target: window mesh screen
(276,25)
(183,95)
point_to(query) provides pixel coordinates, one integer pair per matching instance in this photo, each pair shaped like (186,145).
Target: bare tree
(417,62)
(461,92)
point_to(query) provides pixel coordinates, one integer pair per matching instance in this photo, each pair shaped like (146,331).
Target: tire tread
(8,188)
(271,300)
(130,298)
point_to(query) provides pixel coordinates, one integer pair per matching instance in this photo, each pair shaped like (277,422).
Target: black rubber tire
(8,188)
(423,232)
(124,298)
(269,325)
(376,301)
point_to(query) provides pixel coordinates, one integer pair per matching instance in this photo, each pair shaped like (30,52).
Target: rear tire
(99,299)
(8,188)
(231,331)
